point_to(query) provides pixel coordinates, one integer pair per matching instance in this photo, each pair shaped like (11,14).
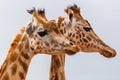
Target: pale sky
(103,15)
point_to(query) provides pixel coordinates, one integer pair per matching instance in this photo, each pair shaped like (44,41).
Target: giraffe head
(45,37)
(80,31)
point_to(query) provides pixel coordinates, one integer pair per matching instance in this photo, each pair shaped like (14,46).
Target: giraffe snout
(108,52)
(71,50)
(71,43)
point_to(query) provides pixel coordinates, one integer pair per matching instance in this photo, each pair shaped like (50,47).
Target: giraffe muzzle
(108,52)
(72,50)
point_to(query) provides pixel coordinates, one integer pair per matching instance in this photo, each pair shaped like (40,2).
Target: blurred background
(103,15)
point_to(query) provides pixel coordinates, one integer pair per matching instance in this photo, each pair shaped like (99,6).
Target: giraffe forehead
(82,23)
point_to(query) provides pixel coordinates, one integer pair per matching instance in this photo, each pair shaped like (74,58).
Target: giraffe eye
(87,29)
(42,33)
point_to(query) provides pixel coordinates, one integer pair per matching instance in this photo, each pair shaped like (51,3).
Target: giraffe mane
(12,48)
(60,19)
(16,41)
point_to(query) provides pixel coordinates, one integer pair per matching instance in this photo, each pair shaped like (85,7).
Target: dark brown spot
(83,34)
(88,45)
(78,28)
(80,35)
(6,77)
(56,30)
(37,42)
(21,75)
(25,55)
(13,57)
(76,37)
(69,34)
(72,40)
(88,38)
(47,44)
(61,31)
(91,45)
(80,40)
(77,32)
(85,40)
(32,48)
(56,77)
(73,35)
(14,69)
(62,24)
(23,65)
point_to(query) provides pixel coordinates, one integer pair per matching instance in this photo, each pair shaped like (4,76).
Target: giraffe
(37,38)
(79,31)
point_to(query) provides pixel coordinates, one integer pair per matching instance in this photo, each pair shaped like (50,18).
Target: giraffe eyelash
(43,33)
(87,29)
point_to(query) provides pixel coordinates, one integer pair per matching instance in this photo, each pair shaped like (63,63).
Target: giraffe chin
(69,52)
(108,53)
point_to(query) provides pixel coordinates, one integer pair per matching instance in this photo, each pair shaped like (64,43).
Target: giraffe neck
(57,67)
(16,66)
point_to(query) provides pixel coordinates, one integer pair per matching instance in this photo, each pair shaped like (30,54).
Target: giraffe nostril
(71,43)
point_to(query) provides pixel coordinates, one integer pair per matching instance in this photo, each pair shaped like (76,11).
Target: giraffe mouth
(108,53)
(71,50)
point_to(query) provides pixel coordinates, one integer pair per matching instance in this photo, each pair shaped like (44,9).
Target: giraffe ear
(70,13)
(66,10)
(31,11)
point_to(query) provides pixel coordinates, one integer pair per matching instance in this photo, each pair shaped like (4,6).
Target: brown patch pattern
(6,77)
(21,75)
(13,57)
(26,56)
(14,69)
(23,65)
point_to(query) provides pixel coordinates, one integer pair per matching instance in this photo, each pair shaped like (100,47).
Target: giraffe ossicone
(39,37)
